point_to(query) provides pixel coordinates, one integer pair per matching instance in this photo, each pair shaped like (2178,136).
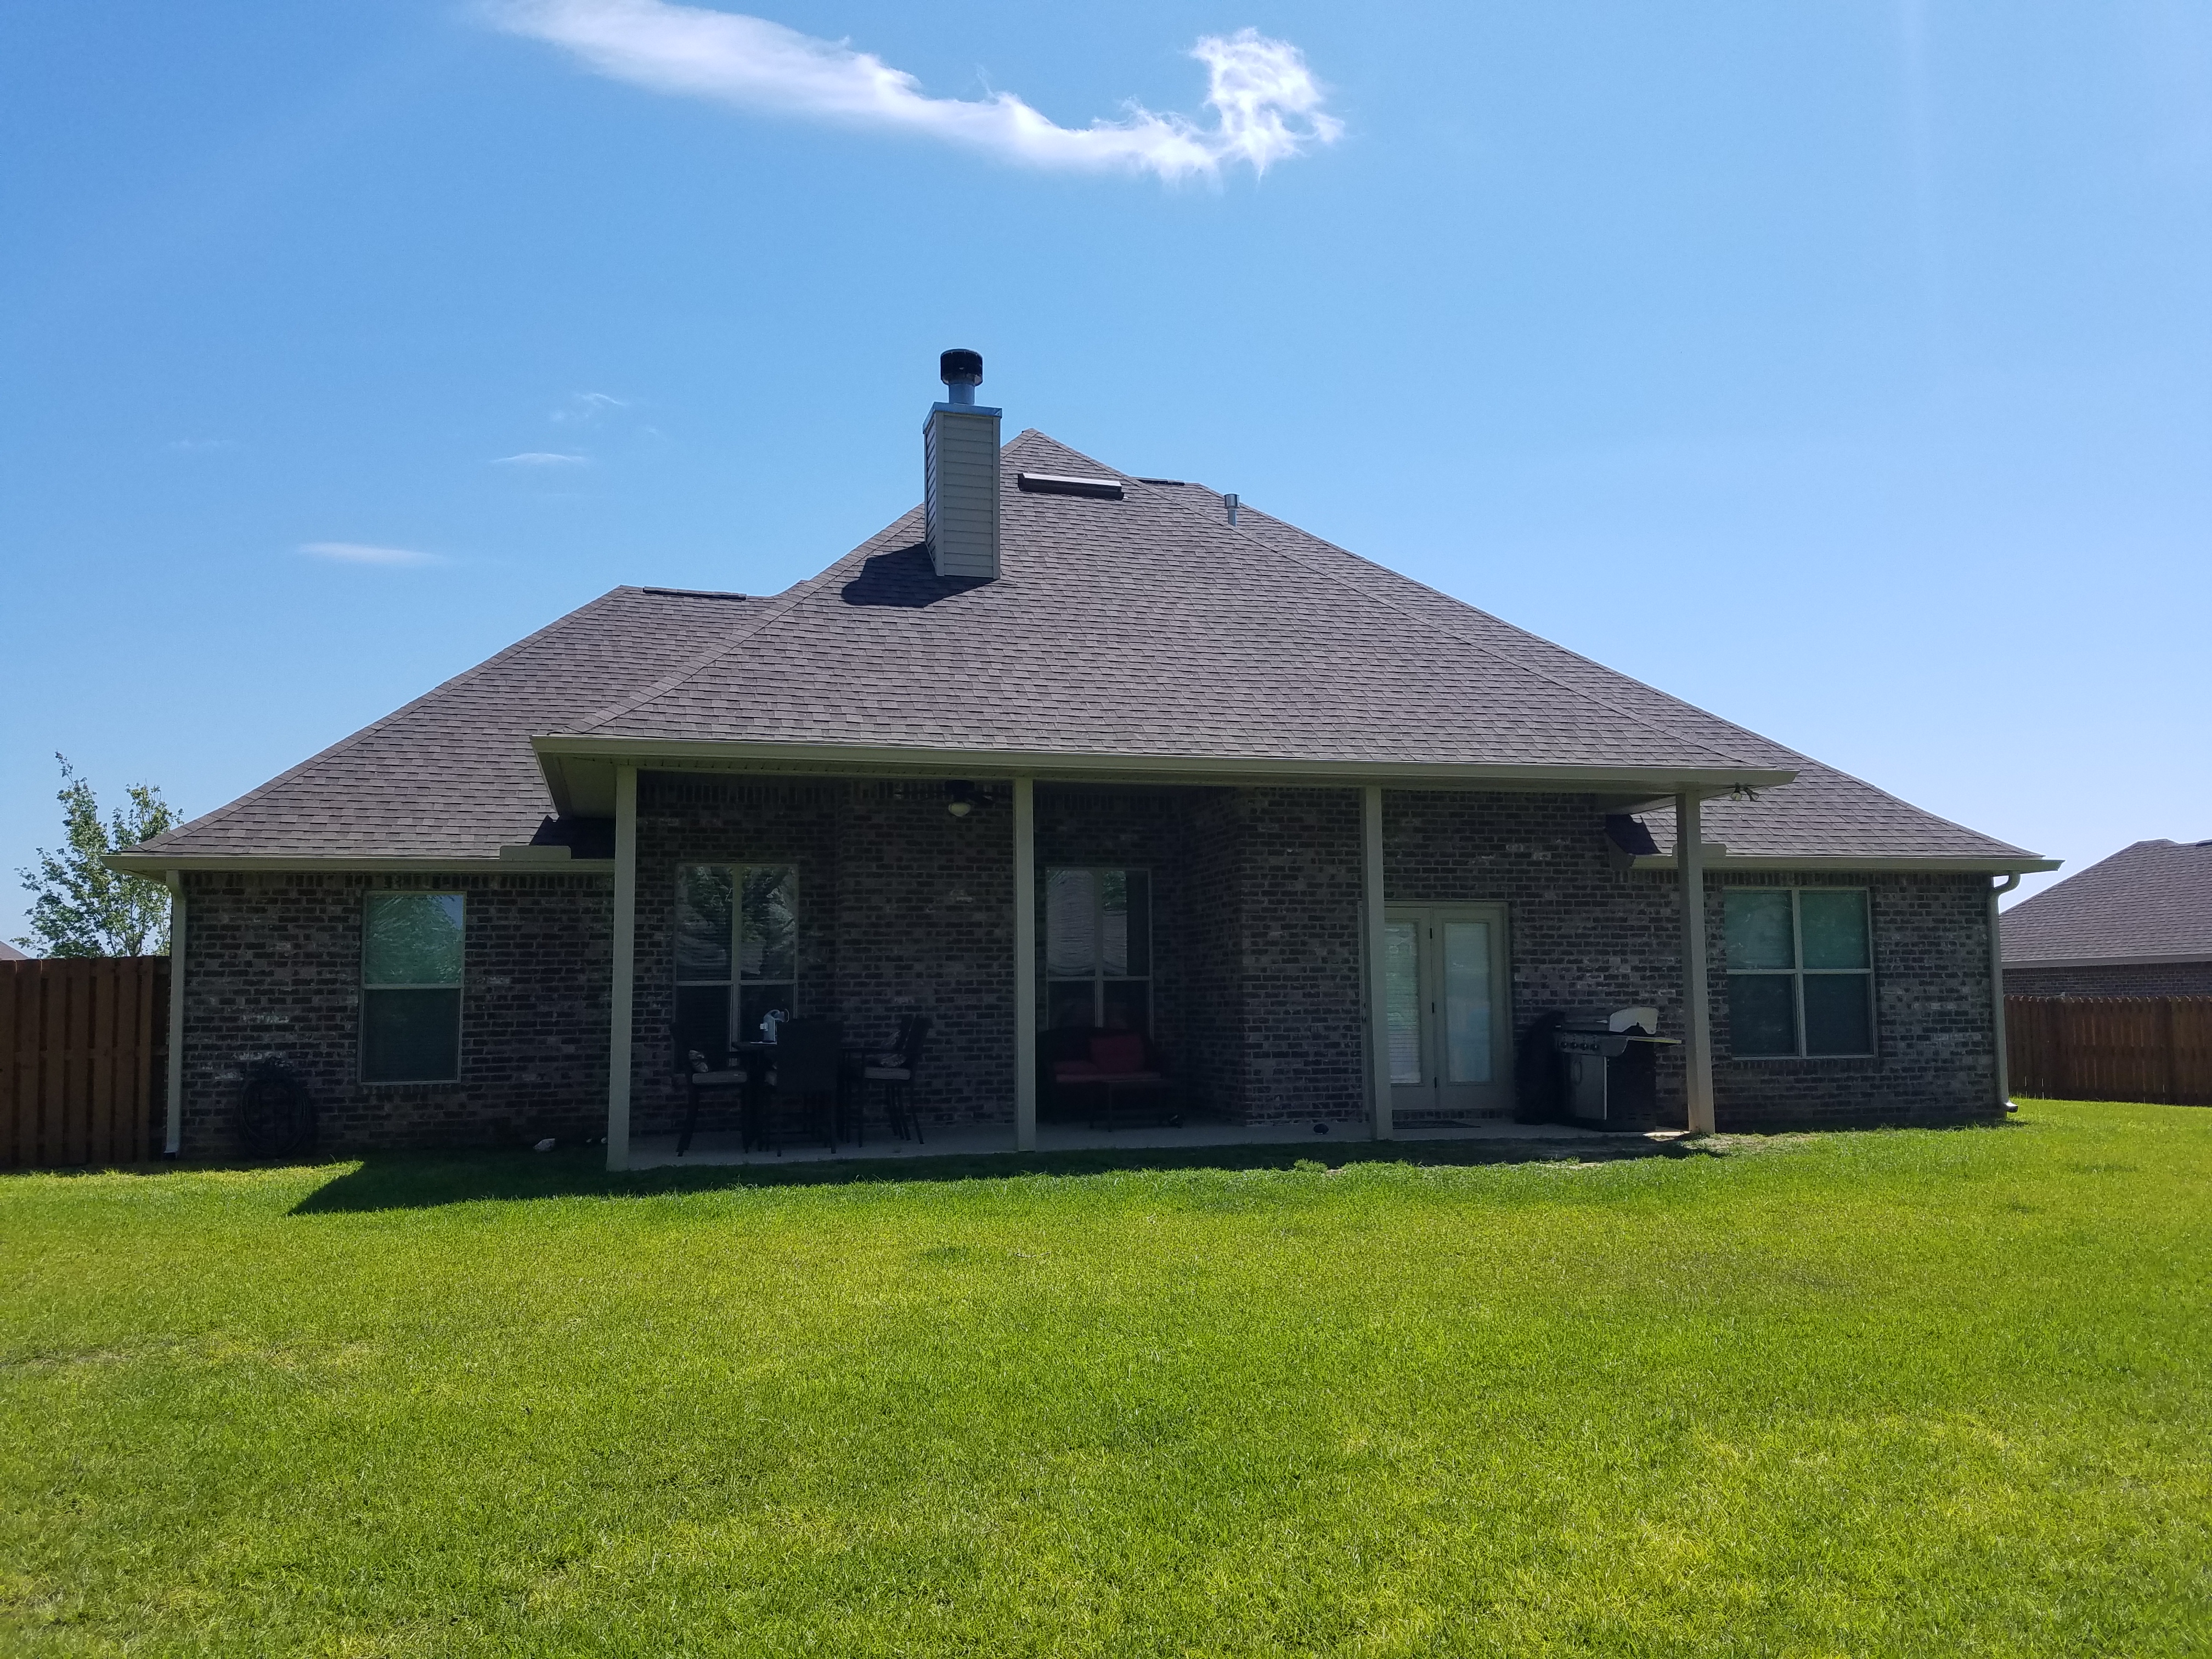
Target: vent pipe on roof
(960,474)
(1232,504)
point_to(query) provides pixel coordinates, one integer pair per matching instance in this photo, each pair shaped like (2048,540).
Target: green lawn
(1900,1393)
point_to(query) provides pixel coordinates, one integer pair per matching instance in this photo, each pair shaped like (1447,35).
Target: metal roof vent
(960,473)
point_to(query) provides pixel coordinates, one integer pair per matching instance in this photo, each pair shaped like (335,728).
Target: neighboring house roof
(1144,627)
(2147,903)
(9,953)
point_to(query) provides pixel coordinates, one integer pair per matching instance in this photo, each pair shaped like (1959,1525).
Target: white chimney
(960,473)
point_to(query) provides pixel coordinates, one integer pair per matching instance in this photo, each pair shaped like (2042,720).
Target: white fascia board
(2162,959)
(1871,865)
(154,864)
(563,758)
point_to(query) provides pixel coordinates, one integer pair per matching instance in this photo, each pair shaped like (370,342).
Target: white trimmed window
(1098,949)
(1800,972)
(737,954)
(411,988)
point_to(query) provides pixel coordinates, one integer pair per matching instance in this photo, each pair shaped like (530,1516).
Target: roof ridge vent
(960,473)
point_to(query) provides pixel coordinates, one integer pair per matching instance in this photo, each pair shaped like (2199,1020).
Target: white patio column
(622,1004)
(1025,987)
(172,1135)
(1697,1003)
(1378,1002)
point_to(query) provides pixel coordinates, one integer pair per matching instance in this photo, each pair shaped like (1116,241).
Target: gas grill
(1609,1064)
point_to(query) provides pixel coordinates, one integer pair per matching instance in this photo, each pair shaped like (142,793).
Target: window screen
(411,994)
(737,954)
(1800,971)
(1098,949)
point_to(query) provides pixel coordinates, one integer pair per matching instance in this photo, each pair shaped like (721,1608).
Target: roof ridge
(791,598)
(1438,626)
(218,814)
(782,606)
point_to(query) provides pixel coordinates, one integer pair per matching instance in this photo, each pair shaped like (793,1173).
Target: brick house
(1065,747)
(2139,924)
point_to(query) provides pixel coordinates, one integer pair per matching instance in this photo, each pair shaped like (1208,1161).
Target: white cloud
(587,406)
(201,446)
(542,458)
(361,553)
(1267,106)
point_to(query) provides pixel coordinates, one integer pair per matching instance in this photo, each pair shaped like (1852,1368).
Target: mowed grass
(1898,1393)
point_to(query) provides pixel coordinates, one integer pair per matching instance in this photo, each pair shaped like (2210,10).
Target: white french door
(1449,1015)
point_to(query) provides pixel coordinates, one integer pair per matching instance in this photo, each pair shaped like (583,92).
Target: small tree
(81,908)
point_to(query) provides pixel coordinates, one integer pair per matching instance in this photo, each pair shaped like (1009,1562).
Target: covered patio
(927,883)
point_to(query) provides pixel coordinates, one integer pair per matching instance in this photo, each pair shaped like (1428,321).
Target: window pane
(1128,1005)
(1402,999)
(1758,927)
(768,934)
(410,1036)
(1834,921)
(1113,922)
(703,1022)
(1071,922)
(1072,1004)
(1140,884)
(755,998)
(412,939)
(1838,1013)
(703,899)
(1762,1013)
(1467,1001)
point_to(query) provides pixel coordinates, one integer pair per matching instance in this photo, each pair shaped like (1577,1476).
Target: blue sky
(1844,367)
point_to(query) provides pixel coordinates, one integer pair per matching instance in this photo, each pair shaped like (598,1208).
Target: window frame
(1798,972)
(737,980)
(1098,977)
(458,988)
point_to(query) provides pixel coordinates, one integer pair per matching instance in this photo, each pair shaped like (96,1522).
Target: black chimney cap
(960,368)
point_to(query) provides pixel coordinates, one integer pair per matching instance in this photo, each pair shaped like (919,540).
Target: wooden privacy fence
(2156,1049)
(78,1074)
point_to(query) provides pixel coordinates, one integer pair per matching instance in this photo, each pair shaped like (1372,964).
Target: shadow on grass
(409,1181)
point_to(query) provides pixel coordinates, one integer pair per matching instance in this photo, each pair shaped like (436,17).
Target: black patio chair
(700,1086)
(892,1073)
(808,1071)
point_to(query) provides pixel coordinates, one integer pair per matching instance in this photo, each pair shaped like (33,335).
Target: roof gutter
(1718,858)
(572,765)
(2160,959)
(162,864)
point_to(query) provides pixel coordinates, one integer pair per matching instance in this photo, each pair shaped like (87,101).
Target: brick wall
(2167,979)
(272,971)
(1935,1024)
(901,908)
(1258,993)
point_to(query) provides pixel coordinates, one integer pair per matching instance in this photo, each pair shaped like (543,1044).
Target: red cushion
(1116,1052)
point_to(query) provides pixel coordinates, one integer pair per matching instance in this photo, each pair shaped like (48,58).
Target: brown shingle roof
(1145,626)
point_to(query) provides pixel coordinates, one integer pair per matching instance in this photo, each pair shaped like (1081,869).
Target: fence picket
(2149,1048)
(77,1037)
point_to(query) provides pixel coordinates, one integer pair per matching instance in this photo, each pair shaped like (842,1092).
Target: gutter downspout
(173,1136)
(1997,993)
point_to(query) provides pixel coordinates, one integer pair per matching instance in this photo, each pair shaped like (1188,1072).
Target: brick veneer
(2149,979)
(272,971)
(904,907)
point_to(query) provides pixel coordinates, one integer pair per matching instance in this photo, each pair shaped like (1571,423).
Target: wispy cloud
(200,445)
(542,458)
(1266,103)
(363,553)
(584,407)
